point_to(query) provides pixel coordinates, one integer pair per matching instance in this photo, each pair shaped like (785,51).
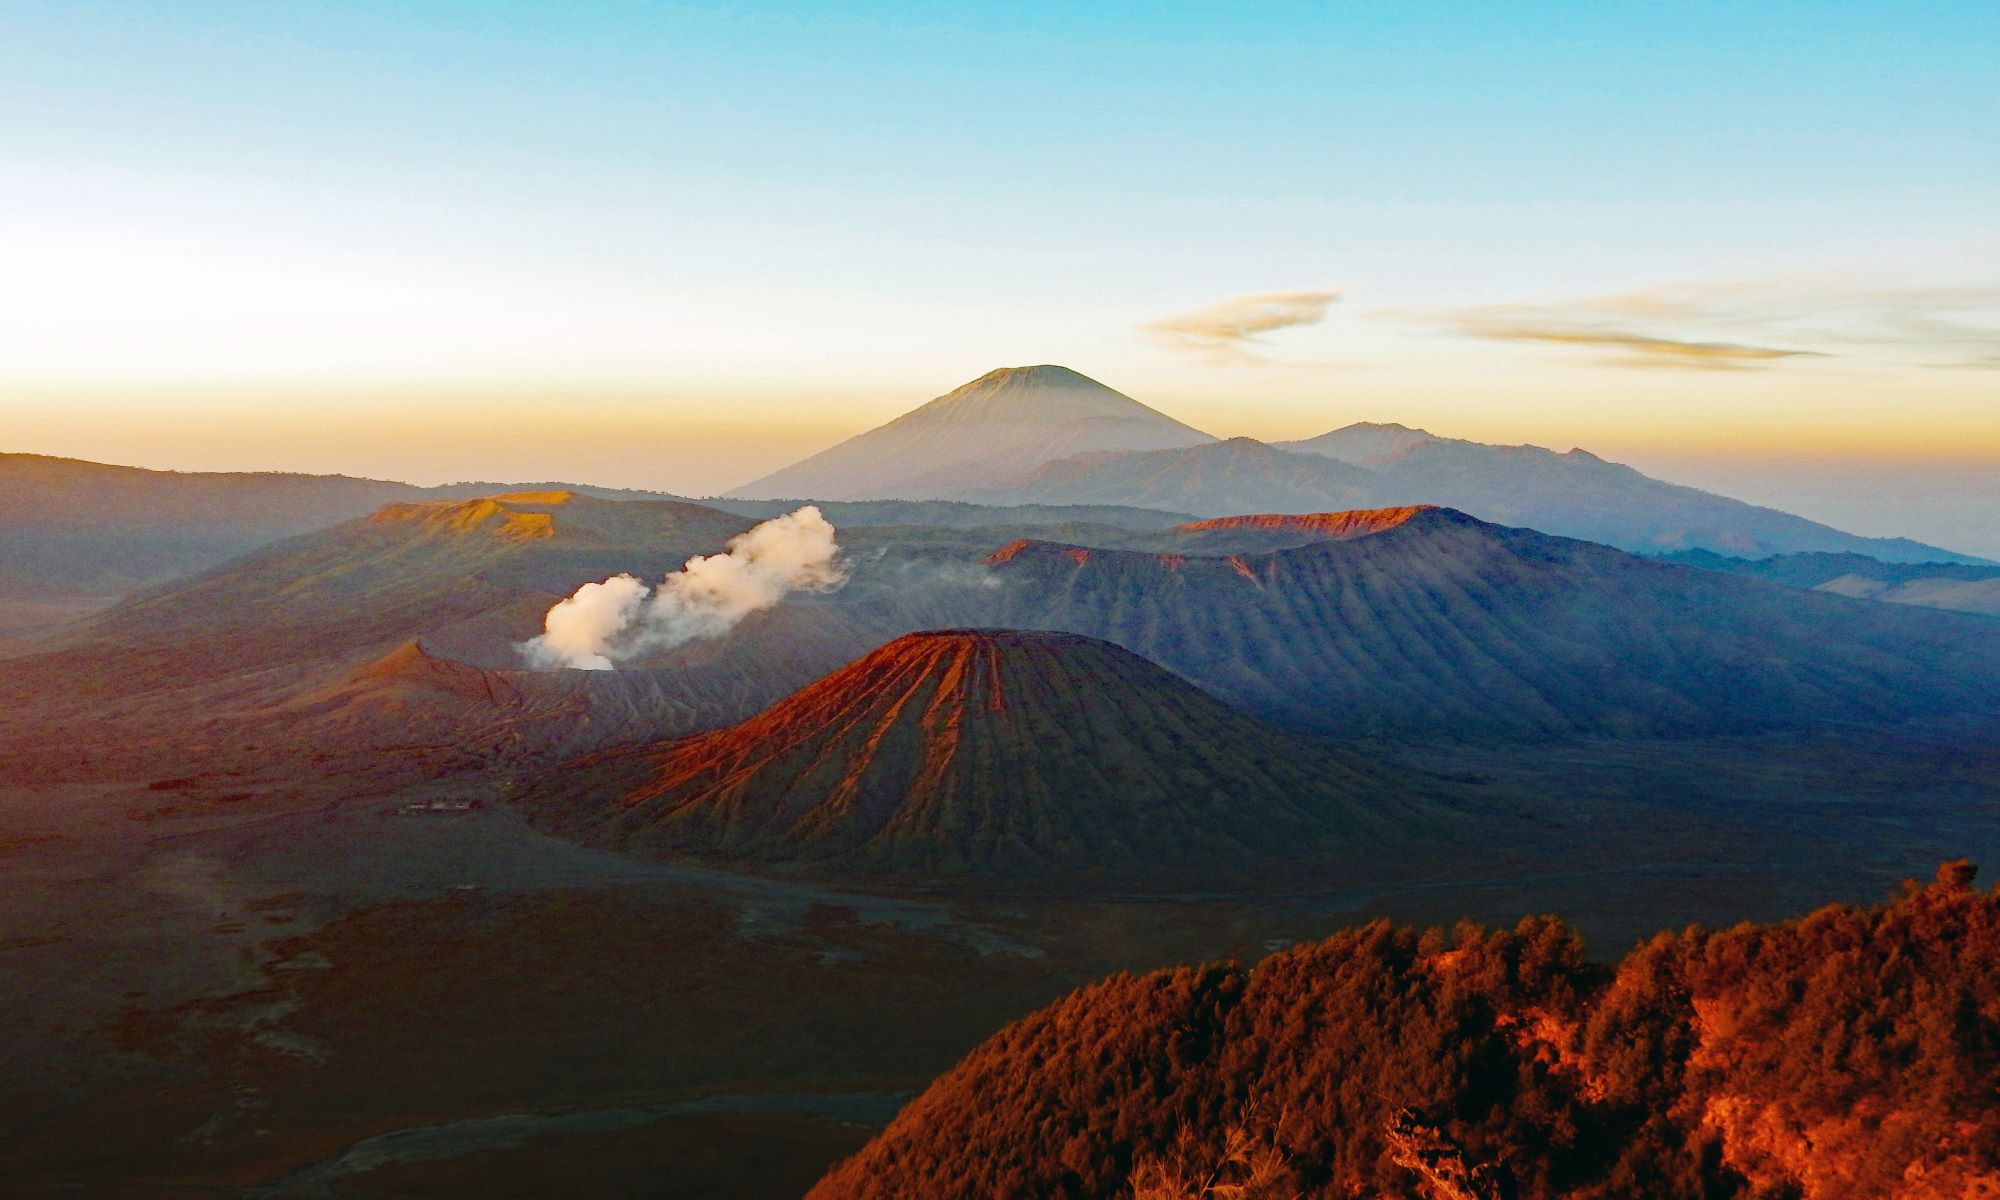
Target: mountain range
(1040,445)
(1046,435)
(71,528)
(1421,622)
(293,769)
(401,632)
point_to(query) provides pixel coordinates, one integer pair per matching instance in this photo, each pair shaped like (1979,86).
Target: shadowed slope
(69,526)
(1239,475)
(1958,587)
(1002,424)
(1443,625)
(996,751)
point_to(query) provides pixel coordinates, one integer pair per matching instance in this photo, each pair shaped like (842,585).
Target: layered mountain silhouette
(1000,425)
(1442,625)
(1577,494)
(68,526)
(1048,436)
(1417,622)
(998,752)
(360,632)
(1239,475)
(71,527)
(414,568)
(1574,494)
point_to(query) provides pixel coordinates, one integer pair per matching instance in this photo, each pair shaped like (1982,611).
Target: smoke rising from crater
(603,623)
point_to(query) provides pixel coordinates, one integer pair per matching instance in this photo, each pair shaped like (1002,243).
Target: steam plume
(602,623)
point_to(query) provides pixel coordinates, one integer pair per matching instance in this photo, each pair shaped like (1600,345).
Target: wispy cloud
(1227,330)
(1750,325)
(1636,349)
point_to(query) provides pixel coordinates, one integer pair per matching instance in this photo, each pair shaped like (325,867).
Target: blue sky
(339,236)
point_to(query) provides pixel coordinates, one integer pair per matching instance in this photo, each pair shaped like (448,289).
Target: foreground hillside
(1005,753)
(1852,1053)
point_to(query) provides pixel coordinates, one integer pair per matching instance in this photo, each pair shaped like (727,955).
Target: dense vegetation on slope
(1853,1053)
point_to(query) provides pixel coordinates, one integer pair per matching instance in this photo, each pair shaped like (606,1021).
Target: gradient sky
(1751,247)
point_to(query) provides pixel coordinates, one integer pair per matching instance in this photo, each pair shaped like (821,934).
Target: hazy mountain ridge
(75,529)
(1235,476)
(1012,437)
(1959,587)
(1587,496)
(1001,424)
(1575,494)
(68,526)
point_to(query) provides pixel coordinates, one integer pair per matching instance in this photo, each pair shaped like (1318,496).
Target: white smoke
(602,623)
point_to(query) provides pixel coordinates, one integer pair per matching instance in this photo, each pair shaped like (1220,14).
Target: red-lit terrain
(1011,756)
(315,887)
(1849,1053)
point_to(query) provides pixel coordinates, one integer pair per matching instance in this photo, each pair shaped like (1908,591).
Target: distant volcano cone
(1003,424)
(999,751)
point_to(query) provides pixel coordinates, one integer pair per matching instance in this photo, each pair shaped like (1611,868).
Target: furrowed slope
(1002,753)
(1433,625)
(1443,625)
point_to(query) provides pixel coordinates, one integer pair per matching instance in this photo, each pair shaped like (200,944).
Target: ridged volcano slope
(1444,625)
(997,751)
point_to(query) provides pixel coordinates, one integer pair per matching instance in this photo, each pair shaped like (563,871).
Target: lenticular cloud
(603,623)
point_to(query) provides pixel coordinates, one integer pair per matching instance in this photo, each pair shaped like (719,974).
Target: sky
(1755,248)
